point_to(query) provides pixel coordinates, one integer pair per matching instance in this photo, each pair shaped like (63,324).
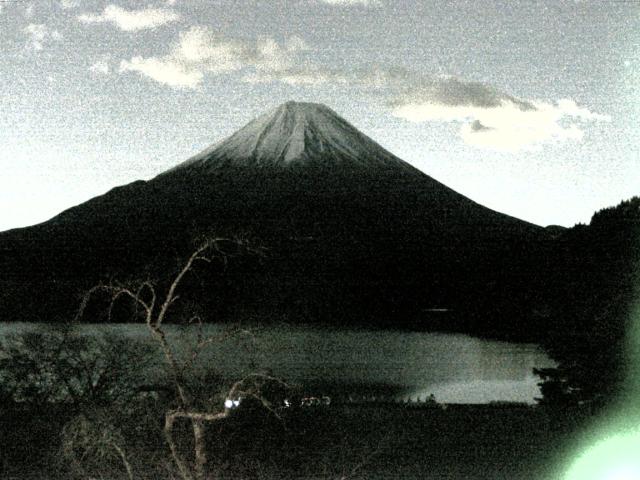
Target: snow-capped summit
(297,133)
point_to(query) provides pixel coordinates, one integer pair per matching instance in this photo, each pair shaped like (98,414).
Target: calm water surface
(455,368)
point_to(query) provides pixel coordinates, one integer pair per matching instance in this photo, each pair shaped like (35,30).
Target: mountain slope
(352,232)
(297,134)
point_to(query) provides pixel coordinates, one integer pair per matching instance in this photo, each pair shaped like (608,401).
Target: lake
(454,368)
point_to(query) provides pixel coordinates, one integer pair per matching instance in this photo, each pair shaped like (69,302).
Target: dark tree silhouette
(593,288)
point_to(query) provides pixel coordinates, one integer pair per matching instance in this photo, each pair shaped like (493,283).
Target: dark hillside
(593,289)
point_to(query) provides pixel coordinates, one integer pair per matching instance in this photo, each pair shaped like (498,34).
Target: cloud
(365,3)
(38,34)
(307,75)
(296,44)
(100,67)
(165,71)
(200,50)
(493,119)
(132,20)
(454,92)
(372,77)
(488,117)
(68,4)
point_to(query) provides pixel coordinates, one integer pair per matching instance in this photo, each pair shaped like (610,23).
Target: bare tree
(68,373)
(154,306)
(96,439)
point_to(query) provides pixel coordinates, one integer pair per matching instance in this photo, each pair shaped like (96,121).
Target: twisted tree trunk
(144,295)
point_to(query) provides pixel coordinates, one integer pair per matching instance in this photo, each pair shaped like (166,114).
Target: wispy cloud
(169,72)
(310,76)
(100,67)
(132,20)
(366,3)
(38,34)
(372,77)
(490,118)
(200,50)
(68,4)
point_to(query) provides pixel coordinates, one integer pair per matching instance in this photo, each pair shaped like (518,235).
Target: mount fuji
(352,233)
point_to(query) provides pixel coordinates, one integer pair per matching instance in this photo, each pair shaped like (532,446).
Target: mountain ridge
(297,133)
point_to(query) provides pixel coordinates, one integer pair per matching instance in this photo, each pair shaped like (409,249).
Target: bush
(61,365)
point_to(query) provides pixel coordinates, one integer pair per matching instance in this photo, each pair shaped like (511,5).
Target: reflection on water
(455,368)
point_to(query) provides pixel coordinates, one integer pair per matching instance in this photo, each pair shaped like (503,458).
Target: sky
(528,107)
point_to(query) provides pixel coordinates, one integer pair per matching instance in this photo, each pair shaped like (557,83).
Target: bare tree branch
(155,310)
(124,459)
(195,256)
(183,469)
